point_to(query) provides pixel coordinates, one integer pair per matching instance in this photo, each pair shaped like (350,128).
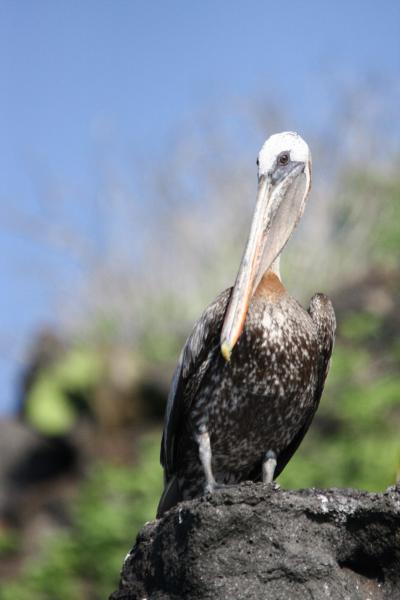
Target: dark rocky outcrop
(258,542)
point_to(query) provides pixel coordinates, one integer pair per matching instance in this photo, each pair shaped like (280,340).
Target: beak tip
(226,350)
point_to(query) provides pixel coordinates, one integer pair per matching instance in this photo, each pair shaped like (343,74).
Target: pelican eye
(283,158)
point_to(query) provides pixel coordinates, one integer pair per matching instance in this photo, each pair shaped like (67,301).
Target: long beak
(276,207)
(243,288)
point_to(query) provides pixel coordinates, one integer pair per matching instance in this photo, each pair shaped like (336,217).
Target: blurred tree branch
(169,245)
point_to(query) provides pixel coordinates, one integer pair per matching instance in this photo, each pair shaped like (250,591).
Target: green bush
(354,441)
(83,563)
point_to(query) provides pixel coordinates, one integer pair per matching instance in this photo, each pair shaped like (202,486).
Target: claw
(214,486)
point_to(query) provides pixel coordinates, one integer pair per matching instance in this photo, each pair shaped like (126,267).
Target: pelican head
(284,181)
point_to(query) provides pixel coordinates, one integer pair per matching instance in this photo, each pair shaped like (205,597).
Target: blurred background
(129,135)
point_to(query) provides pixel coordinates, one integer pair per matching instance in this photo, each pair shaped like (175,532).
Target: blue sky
(72,70)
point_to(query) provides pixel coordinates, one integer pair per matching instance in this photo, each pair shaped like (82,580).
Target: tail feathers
(170,496)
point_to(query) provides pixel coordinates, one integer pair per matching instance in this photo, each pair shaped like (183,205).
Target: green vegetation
(353,442)
(83,562)
(49,408)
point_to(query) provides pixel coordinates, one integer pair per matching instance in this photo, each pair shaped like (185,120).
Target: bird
(251,373)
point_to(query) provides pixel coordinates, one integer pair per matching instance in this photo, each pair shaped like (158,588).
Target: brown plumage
(241,414)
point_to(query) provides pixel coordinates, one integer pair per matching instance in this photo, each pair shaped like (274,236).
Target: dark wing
(200,348)
(322,313)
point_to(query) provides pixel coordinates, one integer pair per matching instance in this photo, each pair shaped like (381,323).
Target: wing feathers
(200,347)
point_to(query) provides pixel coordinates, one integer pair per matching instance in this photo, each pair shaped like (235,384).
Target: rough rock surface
(257,542)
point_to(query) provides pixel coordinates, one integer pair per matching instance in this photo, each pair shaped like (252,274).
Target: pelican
(251,374)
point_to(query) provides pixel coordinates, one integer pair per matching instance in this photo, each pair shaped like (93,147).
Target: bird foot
(214,486)
(273,485)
